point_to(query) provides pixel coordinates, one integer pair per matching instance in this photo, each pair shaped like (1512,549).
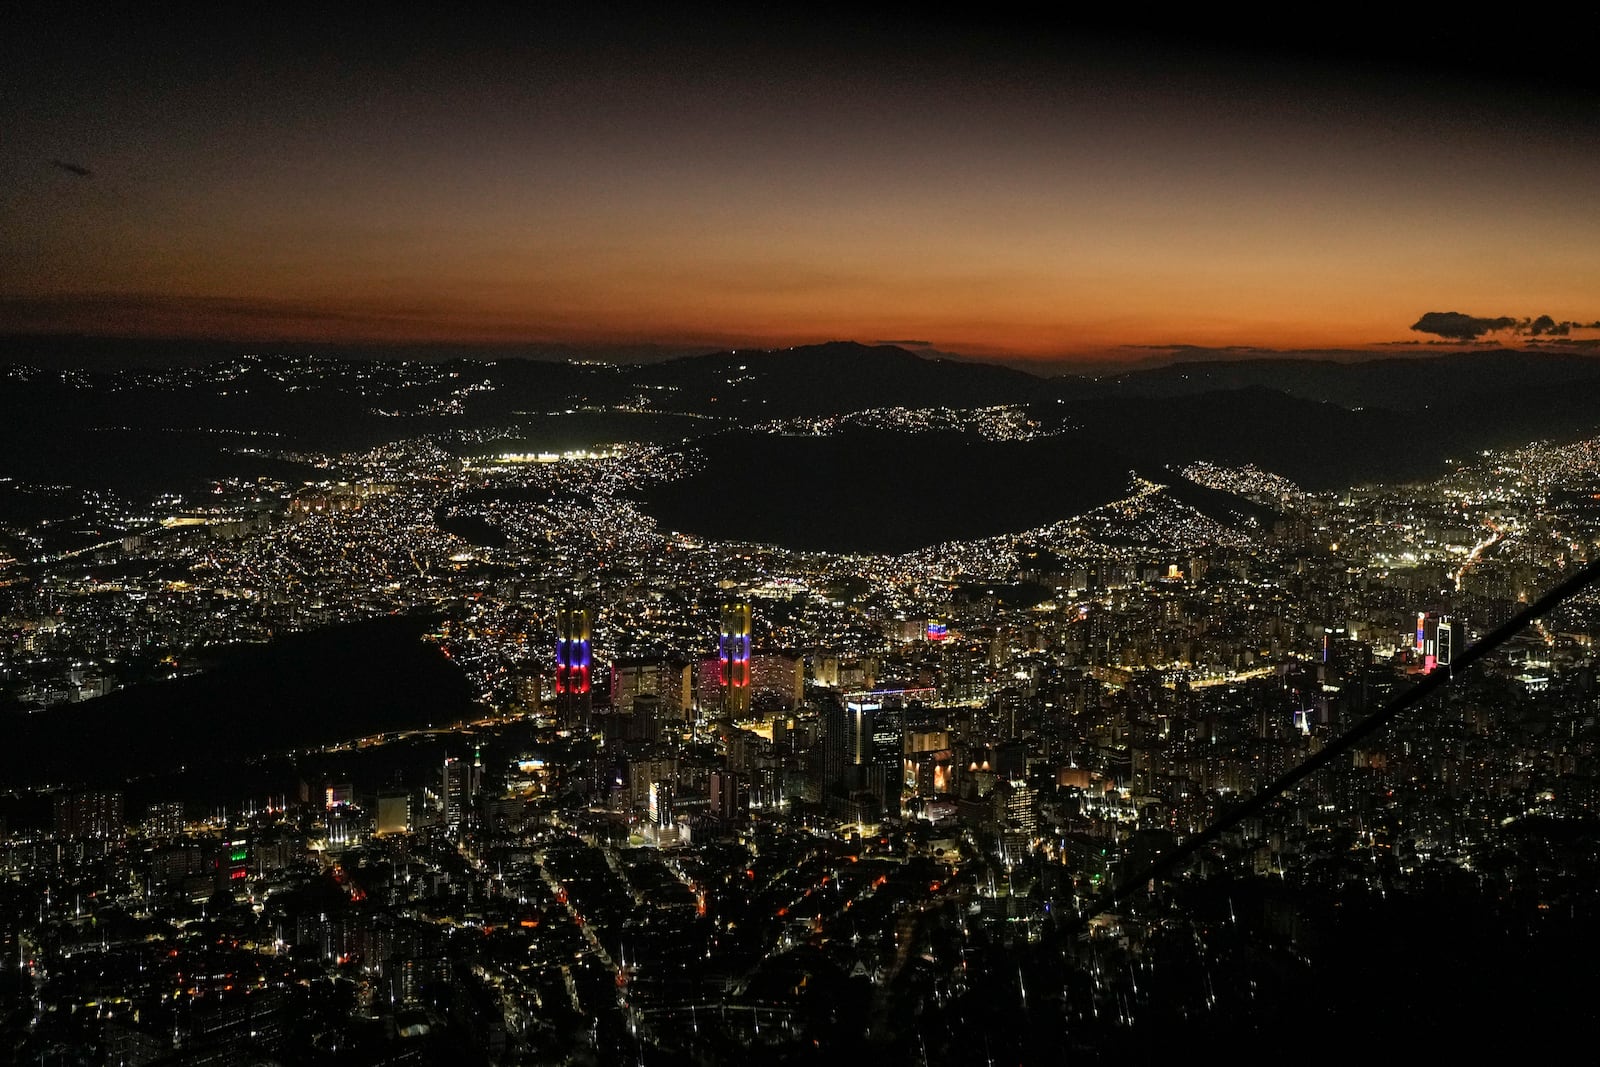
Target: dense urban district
(447,746)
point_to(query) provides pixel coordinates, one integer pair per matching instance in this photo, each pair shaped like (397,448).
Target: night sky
(999,188)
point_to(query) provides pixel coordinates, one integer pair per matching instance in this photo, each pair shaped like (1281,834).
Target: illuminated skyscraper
(853,775)
(733,660)
(91,814)
(459,788)
(573,697)
(1435,640)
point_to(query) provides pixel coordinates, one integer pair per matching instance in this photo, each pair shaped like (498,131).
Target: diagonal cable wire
(1171,860)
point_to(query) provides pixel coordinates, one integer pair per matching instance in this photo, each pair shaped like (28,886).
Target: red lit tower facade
(573,697)
(733,660)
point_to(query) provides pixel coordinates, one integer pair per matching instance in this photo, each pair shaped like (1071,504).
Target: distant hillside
(829,379)
(1404,384)
(889,491)
(1322,423)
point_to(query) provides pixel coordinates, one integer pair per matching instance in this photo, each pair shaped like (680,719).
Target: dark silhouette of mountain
(1322,423)
(888,491)
(829,379)
(1319,445)
(871,490)
(1405,384)
(88,351)
(1324,445)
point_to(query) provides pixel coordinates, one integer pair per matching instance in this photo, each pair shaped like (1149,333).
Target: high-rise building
(642,775)
(525,692)
(1016,804)
(459,788)
(661,795)
(91,814)
(394,812)
(779,678)
(233,860)
(776,680)
(733,659)
(730,795)
(851,768)
(864,747)
(164,818)
(1436,640)
(573,696)
(668,680)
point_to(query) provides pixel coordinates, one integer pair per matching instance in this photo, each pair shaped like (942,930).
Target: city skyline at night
(796,537)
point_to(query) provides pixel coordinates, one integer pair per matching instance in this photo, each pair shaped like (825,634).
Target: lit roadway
(1496,535)
(388,736)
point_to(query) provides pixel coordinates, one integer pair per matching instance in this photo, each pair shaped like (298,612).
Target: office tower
(642,776)
(91,814)
(573,697)
(1436,640)
(525,693)
(730,795)
(459,788)
(164,818)
(668,680)
(645,723)
(345,827)
(857,767)
(733,659)
(233,860)
(394,813)
(778,678)
(661,796)
(1016,804)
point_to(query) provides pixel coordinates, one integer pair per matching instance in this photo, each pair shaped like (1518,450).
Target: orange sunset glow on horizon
(599,188)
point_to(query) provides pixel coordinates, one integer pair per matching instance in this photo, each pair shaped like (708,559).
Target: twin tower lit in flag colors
(733,658)
(572,667)
(574,664)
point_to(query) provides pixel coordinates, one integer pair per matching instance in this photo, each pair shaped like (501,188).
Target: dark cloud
(1456,326)
(1544,324)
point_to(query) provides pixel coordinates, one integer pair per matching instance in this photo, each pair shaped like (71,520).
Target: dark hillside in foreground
(304,690)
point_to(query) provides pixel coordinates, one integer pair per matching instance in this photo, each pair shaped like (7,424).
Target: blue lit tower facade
(573,698)
(733,660)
